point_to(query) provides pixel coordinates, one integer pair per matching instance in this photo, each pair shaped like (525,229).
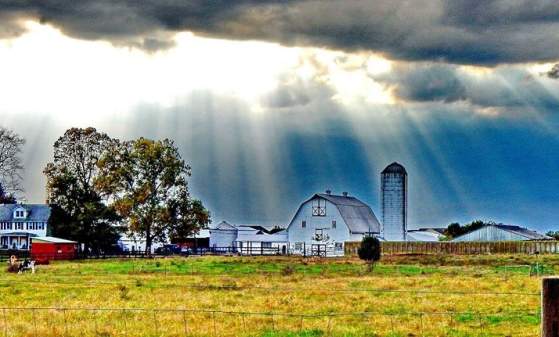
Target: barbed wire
(330,316)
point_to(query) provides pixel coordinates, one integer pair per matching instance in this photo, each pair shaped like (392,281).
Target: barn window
(333,223)
(319,207)
(303,224)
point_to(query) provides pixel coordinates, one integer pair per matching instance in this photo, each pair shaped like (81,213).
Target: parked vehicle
(168,249)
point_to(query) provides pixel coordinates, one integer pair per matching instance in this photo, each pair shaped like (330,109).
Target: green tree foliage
(11,166)
(79,211)
(147,181)
(369,250)
(455,229)
(553,234)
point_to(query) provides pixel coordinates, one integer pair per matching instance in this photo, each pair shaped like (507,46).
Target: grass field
(276,296)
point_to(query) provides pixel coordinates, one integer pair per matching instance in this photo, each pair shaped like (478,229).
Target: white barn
(323,223)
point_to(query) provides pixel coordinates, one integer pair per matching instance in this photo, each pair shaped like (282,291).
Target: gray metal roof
(358,216)
(35,212)
(531,235)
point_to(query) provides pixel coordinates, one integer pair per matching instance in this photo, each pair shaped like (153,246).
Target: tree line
(100,187)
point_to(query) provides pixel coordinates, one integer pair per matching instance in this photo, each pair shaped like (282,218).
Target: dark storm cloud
(509,88)
(460,31)
(292,92)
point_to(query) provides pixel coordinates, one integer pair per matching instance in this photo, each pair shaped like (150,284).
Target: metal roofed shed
(500,232)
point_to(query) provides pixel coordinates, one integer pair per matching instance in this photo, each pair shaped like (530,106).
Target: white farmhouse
(324,222)
(20,222)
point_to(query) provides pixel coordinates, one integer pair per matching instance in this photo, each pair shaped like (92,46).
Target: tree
(11,165)
(369,251)
(79,211)
(147,181)
(5,197)
(455,229)
(553,234)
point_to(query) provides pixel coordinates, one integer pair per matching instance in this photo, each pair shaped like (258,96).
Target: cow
(26,265)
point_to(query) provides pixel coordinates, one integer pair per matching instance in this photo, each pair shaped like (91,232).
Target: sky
(271,101)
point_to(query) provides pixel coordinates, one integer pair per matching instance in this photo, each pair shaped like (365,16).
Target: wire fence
(252,287)
(71,321)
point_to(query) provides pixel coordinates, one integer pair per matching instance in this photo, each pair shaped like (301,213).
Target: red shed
(51,248)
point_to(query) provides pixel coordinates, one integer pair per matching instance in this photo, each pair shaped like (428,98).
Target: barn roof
(224,226)
(530,234)
(36,212)
(358,216)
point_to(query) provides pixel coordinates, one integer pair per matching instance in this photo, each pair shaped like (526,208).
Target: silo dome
(395,168)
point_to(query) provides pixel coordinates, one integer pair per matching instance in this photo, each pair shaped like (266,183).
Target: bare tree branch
(11,165)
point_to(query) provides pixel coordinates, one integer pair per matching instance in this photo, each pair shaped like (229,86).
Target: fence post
(550,307)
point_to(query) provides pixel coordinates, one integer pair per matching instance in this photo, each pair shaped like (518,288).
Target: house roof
(358,216)
(51,239)
(35,212)
(19,234)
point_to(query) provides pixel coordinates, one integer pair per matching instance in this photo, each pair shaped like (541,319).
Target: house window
(19,225)
(339,246)
(333,223)
(266,245)
(303,224)
(298,246)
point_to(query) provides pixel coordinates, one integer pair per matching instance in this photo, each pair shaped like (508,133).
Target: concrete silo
(394,200)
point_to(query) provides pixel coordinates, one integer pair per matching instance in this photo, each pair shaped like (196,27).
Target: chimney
(328,192)
(345,194)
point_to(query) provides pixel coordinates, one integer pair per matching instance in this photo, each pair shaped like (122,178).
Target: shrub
(369,250)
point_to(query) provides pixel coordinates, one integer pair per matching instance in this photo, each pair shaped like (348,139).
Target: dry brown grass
(402,297)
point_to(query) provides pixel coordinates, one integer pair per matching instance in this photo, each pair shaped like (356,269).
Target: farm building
(500,232)
(135,243)
(323,223)
(247,239)
(51,248)
(425,234)
(198,240)
(20,222)
(394,202)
